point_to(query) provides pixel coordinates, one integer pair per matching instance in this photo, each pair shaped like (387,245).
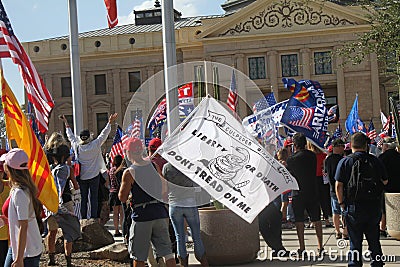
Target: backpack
(365,182)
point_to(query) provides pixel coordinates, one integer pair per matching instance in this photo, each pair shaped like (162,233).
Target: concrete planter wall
(228,239)
(392,202)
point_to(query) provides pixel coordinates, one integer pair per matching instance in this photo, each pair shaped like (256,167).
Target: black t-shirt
(391,160)
(331,163)
(303,165)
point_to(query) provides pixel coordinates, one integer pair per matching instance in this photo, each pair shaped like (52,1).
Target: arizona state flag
(18,128)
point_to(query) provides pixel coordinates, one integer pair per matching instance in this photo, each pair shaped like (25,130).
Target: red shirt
(320,163)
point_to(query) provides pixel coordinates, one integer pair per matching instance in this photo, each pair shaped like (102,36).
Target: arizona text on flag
(228,162)
(37,92)
(112,17)
(312,121)
(118,143)
(19,130)
(232,96)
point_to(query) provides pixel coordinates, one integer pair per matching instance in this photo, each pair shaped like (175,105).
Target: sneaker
(338,235)
(287,225)
(118,234)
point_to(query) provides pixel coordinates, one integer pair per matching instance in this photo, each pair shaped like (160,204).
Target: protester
(302,165)
(89,155)
(330,166)
(149,222)
(286,210)
(359,185)
(4,194)
(391,160)
(323,184)
(183,206)
(156,159)
(64,218)
(55,139)
(115,175)
(23,212)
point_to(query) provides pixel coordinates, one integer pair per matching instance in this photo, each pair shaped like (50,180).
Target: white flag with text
(216,152)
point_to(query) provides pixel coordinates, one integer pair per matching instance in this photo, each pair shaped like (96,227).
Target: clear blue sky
(34,20)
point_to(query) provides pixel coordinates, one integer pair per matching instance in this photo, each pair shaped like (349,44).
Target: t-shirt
(331,163)
(320,164)
(302,165)
(20,209)
(343,171)
(391,160)
(3,197)
(181,190)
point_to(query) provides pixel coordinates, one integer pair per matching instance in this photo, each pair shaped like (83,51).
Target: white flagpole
(75,67)
(170,74)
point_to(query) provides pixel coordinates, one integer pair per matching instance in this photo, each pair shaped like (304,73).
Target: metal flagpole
(170,74)
(75,67)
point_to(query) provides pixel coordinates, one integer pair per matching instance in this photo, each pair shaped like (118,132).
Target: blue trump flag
(353,122)
(309,117)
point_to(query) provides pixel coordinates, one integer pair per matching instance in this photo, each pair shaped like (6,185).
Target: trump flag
(18,129)
(218,154)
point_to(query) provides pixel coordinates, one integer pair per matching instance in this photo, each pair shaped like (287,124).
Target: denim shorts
(335,205)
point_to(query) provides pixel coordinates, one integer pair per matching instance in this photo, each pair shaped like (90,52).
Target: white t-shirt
(21,209)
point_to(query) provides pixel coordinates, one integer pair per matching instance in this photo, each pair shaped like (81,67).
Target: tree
(383,38)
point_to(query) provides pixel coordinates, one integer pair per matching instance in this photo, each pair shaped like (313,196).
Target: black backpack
(365,181)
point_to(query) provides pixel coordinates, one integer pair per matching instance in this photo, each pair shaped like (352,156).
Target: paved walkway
(391,249)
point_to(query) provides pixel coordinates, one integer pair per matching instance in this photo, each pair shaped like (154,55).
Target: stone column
(376,98)
(85,106)
(117,94)
(151,88)
(272,69)
(306,63)
(53,120)
(241,84)
(341,90)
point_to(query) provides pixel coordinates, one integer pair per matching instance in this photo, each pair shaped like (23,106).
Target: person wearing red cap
(25,238)
(149,215)
(156,159)
(4,194)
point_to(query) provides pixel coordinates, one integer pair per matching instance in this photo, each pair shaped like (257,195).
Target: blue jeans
(93,186)
(191,214)
(360,220)
(28,262)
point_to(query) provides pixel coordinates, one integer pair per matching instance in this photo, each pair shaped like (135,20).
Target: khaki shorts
(52,223)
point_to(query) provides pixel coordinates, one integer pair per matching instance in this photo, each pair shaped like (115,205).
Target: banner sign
(216,152)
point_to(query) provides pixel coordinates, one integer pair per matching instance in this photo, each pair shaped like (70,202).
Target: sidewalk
(390,248)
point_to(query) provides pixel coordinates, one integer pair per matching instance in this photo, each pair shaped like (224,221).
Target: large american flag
(371,133)
(117,147)
(232,97)
(37,92)
(301,117)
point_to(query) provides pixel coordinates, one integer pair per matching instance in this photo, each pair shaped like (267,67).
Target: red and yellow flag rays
(18,129)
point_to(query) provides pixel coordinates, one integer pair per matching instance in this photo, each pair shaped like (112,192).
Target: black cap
(84,135)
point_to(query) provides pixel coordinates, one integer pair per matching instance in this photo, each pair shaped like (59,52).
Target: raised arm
(71,137)
(106,131)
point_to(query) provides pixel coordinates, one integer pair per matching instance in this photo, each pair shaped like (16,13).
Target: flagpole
(77,109)
(206,77)
(170,70)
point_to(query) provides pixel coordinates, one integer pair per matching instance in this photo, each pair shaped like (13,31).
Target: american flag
(37,92)
(265,102)
(118,143)
(301,117)
(371,133)
(32,122)
(232,97)
(333,114)
(137,128)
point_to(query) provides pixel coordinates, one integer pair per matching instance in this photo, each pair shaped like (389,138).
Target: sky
(34,20)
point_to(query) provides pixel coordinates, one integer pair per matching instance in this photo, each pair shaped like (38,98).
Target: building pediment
(100,105)
(285,16)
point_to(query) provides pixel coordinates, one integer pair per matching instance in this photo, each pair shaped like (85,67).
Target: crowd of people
(155,223)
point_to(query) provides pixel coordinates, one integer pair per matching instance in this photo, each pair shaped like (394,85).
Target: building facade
(265,39)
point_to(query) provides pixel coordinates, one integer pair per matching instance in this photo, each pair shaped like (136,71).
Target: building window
(70,120)
(290,65)
(330,101)
(66,87)
(101,121)
(100,84)
(323,63)
(257,68)
(134,81)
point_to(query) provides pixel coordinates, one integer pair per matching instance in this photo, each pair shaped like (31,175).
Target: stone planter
(392,203)
(228,239)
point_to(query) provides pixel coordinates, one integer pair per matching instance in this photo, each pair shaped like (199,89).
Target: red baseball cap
(134,145)
(154,144)
(288,142)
